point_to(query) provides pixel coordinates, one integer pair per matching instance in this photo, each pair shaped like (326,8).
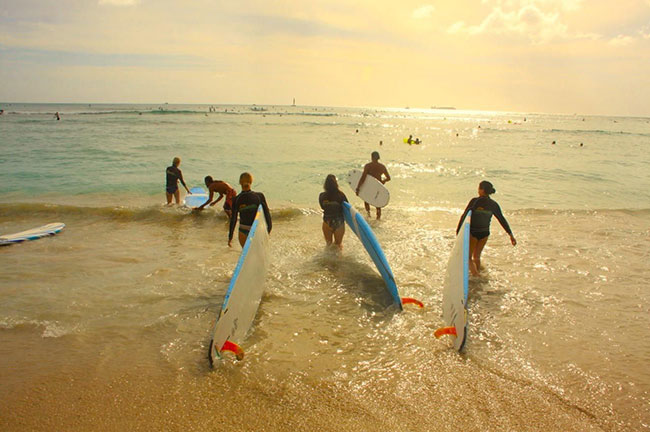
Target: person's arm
(462,218)
(504,223)
(180,177)
(362,179)
(233,220)
(320,200)
(218,199)
(267,212)
(208,201)
(386,174)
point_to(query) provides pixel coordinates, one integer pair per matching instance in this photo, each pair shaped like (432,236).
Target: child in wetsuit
(331,201)
(245,205)
(482,207)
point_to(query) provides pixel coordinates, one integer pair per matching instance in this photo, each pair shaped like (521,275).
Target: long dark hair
(487,187)
(331,185)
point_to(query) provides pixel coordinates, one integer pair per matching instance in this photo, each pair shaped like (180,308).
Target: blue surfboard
(244,293)
(198,197)
(360,227)
(32,234)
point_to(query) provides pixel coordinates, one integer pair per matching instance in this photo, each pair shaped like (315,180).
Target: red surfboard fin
(407,300)
(233,348)
(445,331)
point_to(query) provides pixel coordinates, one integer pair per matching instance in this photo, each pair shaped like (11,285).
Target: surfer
(376,170)
(173,176)
(331,201)
(245,204)
(482,207)
(223,189)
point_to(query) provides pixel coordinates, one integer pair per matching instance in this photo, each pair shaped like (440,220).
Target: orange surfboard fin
(233,348)
(407,300)
(445,331)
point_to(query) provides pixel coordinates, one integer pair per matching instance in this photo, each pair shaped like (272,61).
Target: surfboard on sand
(32,234)
(372,190)
(244,293)
(454,294)
(198,197)
(360,227)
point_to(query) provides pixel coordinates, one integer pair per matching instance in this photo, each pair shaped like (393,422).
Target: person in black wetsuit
(331,201)
(173,176)
(245,205)
(482,207)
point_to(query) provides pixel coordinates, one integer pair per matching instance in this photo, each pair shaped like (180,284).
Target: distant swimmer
(409,140)
(173,176)
(376,170)
(223,189)
(2,111)
(482,207)
(331,201)
(57,116)
(245,205)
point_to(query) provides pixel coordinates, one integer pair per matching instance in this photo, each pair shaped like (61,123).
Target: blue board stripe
(242,257)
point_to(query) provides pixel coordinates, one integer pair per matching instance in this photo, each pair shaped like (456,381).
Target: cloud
(537,20)
(119,2)
(621,40)
(423,12)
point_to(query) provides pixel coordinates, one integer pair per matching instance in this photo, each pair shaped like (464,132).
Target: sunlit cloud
(423,12)
(119,2)
(537,20)
(622,40)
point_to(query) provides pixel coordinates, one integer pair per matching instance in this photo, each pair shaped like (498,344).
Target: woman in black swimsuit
(331,201)
(482,207)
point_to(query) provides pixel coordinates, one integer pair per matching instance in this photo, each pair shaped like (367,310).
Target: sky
(552,56)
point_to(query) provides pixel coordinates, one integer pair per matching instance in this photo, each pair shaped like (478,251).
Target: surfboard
(197,198)
(372,190)
(360,227)
(32,234)
(455,289)
(244,293)
(406,141)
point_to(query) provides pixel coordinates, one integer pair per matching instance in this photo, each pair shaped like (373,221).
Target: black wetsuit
(483,208)
(332,205)
(245,204)
(173,176)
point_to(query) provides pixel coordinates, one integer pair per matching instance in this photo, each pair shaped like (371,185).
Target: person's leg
(242,238)
(177,195)
(338,236)
(327,233)
(228,212)
(169,198)
(480,244)
(378,213)
(367,208)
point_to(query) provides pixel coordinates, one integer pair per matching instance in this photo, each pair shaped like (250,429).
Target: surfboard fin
(233,348)
(445,331)
(407,300)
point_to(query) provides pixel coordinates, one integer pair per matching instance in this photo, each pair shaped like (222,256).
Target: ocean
(106,325)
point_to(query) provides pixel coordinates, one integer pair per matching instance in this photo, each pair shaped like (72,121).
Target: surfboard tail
(445,331)
(409,300)
(233,348)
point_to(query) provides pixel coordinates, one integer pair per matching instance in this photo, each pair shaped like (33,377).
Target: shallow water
(106,325)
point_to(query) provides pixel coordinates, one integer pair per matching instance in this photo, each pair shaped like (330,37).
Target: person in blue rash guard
(482,207)
(245,206)
(173,176)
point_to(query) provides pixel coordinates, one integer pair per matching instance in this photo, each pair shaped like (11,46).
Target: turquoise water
(116,310)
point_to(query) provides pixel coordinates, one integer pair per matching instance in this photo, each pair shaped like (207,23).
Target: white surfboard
(454,294)
(32,234)
(244,292)
(372,190)
(198,197)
